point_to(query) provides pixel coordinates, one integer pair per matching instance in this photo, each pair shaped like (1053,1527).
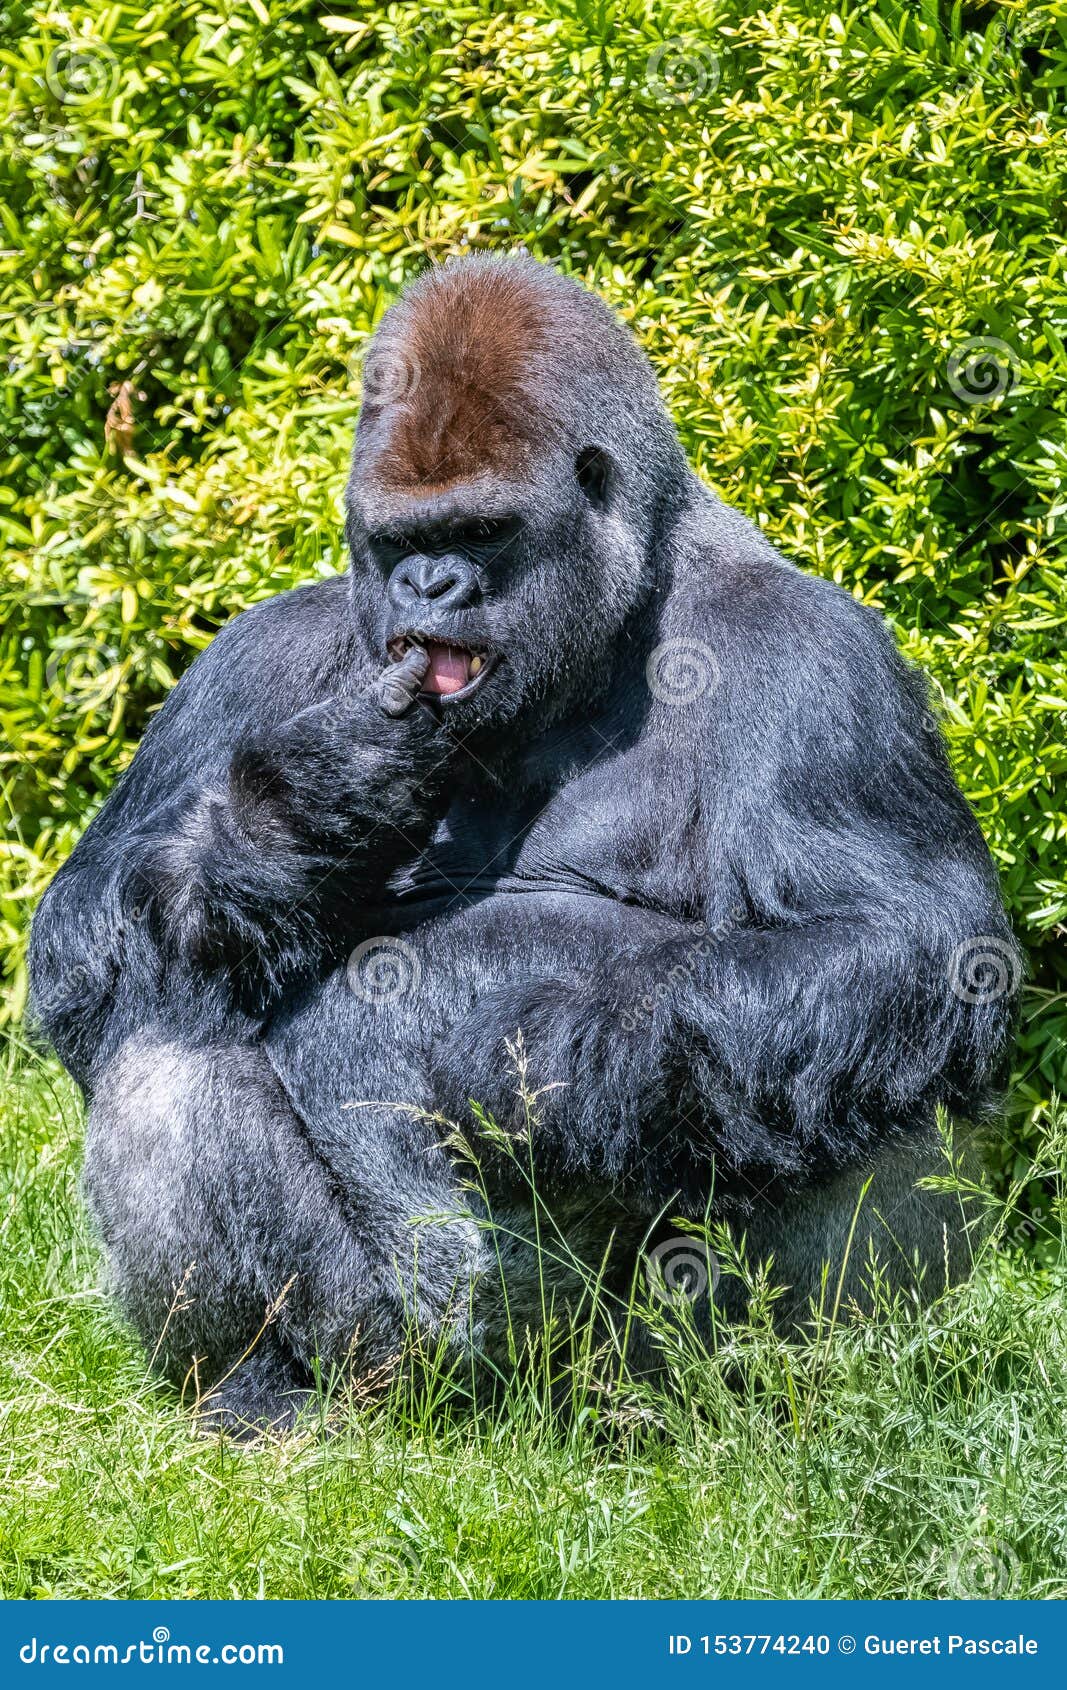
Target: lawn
(909,1456)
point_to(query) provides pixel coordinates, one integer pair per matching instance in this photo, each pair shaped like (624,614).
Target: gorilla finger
(399,686)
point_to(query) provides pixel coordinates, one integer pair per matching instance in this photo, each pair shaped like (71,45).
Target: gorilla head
(513,459)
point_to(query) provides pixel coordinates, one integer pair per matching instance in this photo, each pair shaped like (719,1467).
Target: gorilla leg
(235,1249)
(920,1240)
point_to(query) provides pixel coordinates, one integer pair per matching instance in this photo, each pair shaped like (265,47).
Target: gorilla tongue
(449,669)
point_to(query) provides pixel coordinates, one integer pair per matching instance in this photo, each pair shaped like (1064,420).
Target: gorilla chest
(498,847)
(509,890)
(505,892)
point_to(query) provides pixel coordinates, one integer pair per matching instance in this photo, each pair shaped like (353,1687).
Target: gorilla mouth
(455,672)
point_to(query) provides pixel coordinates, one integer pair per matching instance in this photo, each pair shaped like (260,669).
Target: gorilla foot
(264,1396)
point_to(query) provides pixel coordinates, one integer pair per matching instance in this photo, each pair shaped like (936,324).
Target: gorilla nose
(449,581)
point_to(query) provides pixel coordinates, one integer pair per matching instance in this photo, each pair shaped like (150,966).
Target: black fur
(695,836)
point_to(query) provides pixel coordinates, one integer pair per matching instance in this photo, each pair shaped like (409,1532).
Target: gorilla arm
(256,877)
(271,792)
(829,1013)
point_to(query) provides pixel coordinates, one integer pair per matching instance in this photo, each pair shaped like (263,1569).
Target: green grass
(915,1455)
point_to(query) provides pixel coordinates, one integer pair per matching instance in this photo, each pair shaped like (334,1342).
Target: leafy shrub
(839,235)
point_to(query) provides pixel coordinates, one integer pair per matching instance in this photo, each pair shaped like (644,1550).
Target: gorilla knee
(139,1137)
(157,1144)
(225,1227)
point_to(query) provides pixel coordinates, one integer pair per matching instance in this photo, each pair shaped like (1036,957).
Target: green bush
(839,235)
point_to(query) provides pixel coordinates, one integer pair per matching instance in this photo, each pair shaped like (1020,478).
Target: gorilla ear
(593,468)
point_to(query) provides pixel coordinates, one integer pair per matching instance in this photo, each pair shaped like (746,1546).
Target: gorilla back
(570,753)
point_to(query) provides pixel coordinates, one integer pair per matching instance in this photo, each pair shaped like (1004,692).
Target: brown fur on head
(450,382)
(513,460)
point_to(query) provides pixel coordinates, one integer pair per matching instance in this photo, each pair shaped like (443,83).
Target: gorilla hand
(398,686)
(553,1057)
(257,880)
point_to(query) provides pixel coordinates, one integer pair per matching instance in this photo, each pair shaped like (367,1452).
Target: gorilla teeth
(416,640)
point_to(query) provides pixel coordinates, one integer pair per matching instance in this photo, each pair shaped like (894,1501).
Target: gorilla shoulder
(780,645)
(279,655)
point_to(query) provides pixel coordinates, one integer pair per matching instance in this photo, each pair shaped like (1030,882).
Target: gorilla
(573,816)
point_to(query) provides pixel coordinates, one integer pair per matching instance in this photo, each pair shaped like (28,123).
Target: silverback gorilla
(570,752)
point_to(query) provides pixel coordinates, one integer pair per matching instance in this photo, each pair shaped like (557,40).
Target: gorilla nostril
(439,584)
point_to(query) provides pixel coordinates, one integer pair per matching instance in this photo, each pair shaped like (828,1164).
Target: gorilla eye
(485,534)
(387,548)
(592,467)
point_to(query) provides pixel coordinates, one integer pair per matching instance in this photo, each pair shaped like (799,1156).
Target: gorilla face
(498,509)
(506,586)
